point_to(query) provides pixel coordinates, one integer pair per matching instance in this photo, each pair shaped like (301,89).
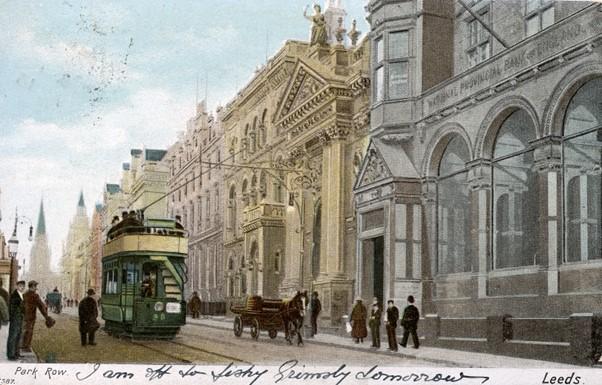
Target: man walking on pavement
(316,308)
(409,321)
(15,311)
(88,311)
(391,323)
(374,323)
(33,302)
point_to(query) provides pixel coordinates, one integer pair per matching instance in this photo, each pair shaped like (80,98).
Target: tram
(143,277)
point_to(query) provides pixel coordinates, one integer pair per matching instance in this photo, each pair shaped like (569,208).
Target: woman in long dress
(358,321)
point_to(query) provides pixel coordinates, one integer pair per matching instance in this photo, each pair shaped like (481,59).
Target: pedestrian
(374,323)
(409,321)
(195,305)
(391,324)
(33,302)
(147,286)
(88,325)
(15,313)
(316,308)
(4,293)
(358,321)
(3,312)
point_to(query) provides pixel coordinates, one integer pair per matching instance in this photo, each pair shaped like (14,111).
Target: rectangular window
(379,89)
(398,45)
(539,15)
(478,40)
(398,80)
(380,50)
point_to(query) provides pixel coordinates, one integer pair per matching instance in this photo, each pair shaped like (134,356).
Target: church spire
(81,199)
(41,229)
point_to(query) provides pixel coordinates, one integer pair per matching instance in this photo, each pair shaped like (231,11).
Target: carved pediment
(304,84)
(374,168)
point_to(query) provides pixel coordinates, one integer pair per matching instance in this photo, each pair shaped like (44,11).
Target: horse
(293,311)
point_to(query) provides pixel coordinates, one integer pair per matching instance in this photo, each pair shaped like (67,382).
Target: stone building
(73,262)
(95,242)
(145,183)
(295,135)
(196,186)
(481,188)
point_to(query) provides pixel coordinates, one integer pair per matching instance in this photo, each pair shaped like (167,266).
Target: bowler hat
(32,283)
(91,292)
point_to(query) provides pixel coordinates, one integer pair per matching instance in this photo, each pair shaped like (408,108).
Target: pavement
(26,357)
(443,357)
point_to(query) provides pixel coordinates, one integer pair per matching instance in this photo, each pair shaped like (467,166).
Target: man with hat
(15,314)
(33,302)
(88,311)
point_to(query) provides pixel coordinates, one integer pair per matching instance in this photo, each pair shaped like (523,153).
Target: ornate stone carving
(375,169)
(354,33)
(396,138)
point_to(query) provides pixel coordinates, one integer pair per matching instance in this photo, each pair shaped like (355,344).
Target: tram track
(180,358)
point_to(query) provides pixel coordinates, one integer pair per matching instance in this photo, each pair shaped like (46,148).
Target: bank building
(480,191)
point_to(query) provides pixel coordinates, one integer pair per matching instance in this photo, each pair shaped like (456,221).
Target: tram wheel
(272,333)
(237,326)
(255,328)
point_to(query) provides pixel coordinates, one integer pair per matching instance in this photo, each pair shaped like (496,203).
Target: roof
(154,155)
(81,203)
(135,151)
(41,229)
(396,159)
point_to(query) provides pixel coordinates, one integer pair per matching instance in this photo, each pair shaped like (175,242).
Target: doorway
(373,268)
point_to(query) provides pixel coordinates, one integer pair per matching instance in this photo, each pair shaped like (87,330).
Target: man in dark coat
(374,323)
(409,321)
(358,321)
(32,303)
(391,323)
(316,308)
(88,311)
(15,311)
(195,305)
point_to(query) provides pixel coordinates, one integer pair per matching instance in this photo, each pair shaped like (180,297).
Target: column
(429,262)
(548,164)
(480,187)
(336,204)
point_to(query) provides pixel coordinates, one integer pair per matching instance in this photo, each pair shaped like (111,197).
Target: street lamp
(13,247)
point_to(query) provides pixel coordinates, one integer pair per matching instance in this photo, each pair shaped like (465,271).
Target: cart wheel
(237,326)
(255,329)
(273,333)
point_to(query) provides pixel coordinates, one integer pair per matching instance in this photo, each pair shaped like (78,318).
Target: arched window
(253,191)
(253,136)
(453,209)
(263,186)
(245,192)
(277,262)
(582,155)
(245,142)
(263,134)
(515,197)
(232,209)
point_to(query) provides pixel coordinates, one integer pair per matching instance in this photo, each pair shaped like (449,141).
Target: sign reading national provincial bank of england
(576,29)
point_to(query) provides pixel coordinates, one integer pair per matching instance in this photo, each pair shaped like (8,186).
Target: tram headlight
(158,306)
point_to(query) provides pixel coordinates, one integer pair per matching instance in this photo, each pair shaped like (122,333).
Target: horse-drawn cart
(271,315)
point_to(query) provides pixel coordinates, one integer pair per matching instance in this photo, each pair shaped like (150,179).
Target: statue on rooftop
(318,28)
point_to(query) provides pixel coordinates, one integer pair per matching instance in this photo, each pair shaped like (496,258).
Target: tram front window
(147,287)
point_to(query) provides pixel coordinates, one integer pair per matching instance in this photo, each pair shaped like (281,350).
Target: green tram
(143,277)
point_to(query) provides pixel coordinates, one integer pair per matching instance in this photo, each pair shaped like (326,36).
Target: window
(453,210)
(582,161)
(539,15)
(515,194)
(394,65)
(478,40)
(232,209)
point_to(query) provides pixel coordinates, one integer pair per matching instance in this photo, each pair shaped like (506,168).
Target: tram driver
(147,286)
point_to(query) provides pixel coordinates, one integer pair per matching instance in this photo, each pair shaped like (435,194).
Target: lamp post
(13,248)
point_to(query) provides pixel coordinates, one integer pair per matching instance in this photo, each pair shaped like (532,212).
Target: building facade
(295,136)
(74,266)
(483,177)
(196,186)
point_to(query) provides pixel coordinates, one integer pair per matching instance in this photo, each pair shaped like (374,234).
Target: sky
(81,83)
